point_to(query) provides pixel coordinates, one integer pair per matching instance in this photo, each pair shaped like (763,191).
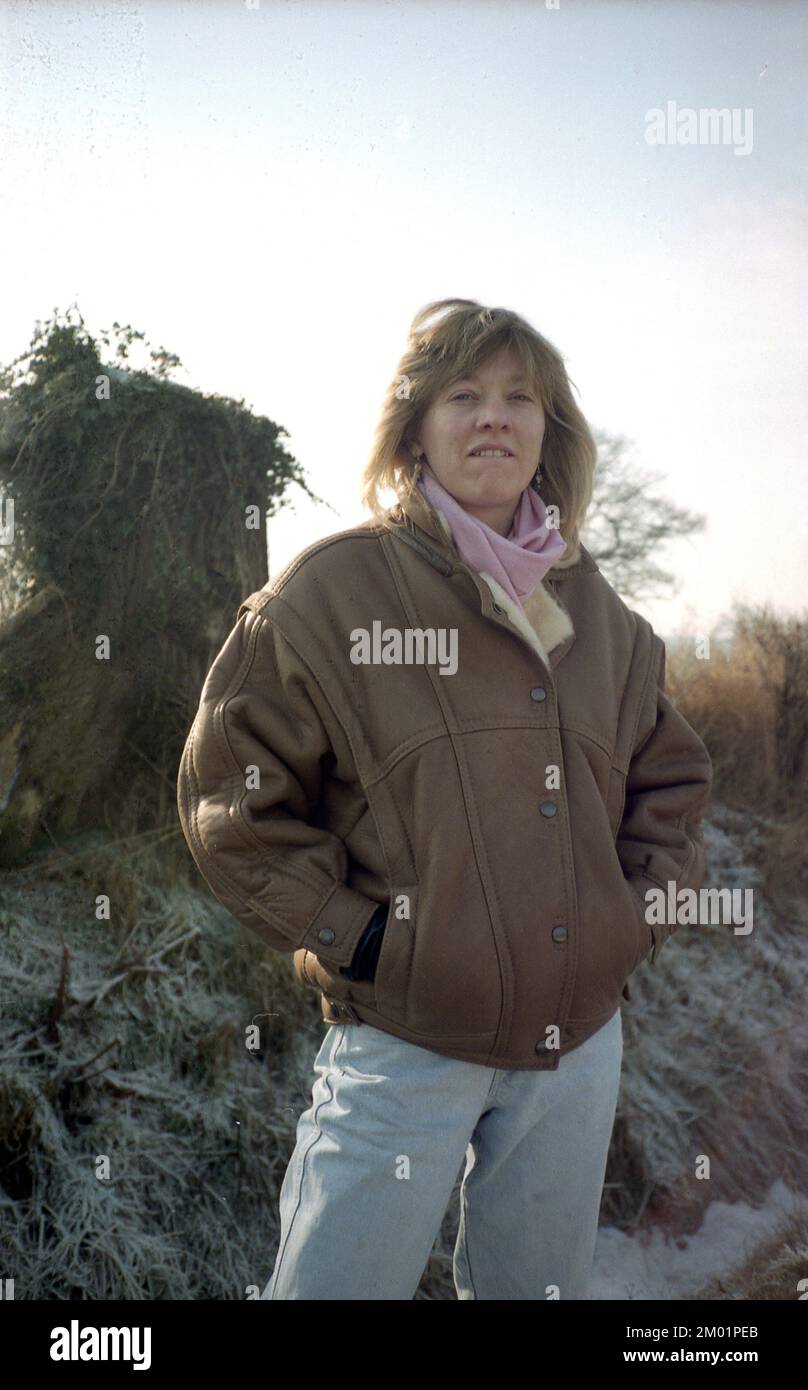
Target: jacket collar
(543,621)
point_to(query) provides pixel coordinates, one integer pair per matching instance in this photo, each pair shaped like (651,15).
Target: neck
(498,517)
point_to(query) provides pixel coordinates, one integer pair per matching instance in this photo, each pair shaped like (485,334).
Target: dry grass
(749,702)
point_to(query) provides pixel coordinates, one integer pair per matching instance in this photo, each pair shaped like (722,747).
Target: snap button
(559,933)
(325,935)
(548,808)
(538,693)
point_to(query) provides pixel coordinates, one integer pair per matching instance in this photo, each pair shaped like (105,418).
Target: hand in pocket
(366,955)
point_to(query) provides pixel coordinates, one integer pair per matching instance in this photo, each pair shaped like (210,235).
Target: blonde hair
(451,348)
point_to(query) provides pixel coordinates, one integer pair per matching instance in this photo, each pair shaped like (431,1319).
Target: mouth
(491,453)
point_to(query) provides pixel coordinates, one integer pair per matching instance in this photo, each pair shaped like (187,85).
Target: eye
(460,395)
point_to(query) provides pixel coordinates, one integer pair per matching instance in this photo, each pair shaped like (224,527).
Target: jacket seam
(649,680)
(623,698)
(403,823)
(578,731)
(463,727)
(278,584)
(618,771)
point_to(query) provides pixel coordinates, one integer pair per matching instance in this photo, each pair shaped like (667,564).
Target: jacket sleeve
(668,786)
(248,787)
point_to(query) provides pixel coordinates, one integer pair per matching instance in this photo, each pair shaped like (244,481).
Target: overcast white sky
(272,190)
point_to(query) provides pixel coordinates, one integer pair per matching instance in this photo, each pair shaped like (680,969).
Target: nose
(492,413)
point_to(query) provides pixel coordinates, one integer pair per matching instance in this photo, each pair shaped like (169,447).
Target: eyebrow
(516,379)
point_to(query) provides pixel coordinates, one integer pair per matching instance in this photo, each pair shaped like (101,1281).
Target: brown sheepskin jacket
(383,725)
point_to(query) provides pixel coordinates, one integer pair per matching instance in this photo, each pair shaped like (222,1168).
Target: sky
(272,191)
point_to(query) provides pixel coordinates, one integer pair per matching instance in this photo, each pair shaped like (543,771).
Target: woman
(435,760)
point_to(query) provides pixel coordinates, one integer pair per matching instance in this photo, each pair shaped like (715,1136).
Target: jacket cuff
(336,930)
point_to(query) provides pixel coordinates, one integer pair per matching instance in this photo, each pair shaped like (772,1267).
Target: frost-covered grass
(716,1036)
(738,1252)
(143,1145)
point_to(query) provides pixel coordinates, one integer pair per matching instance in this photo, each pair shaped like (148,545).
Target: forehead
(505,362)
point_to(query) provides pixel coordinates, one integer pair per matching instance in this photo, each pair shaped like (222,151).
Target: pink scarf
(517,561)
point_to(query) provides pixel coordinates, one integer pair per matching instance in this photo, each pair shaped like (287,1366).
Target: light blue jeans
(379,1150)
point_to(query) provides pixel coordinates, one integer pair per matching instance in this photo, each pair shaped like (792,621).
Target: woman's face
(495,409)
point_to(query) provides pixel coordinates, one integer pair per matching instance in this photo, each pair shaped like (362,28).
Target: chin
(497,497)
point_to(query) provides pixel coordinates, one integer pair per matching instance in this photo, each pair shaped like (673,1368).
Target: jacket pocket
(614,940)
(438,971)
(645,936)
(394,966)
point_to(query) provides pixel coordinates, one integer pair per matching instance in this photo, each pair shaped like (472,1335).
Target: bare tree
(628,522)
